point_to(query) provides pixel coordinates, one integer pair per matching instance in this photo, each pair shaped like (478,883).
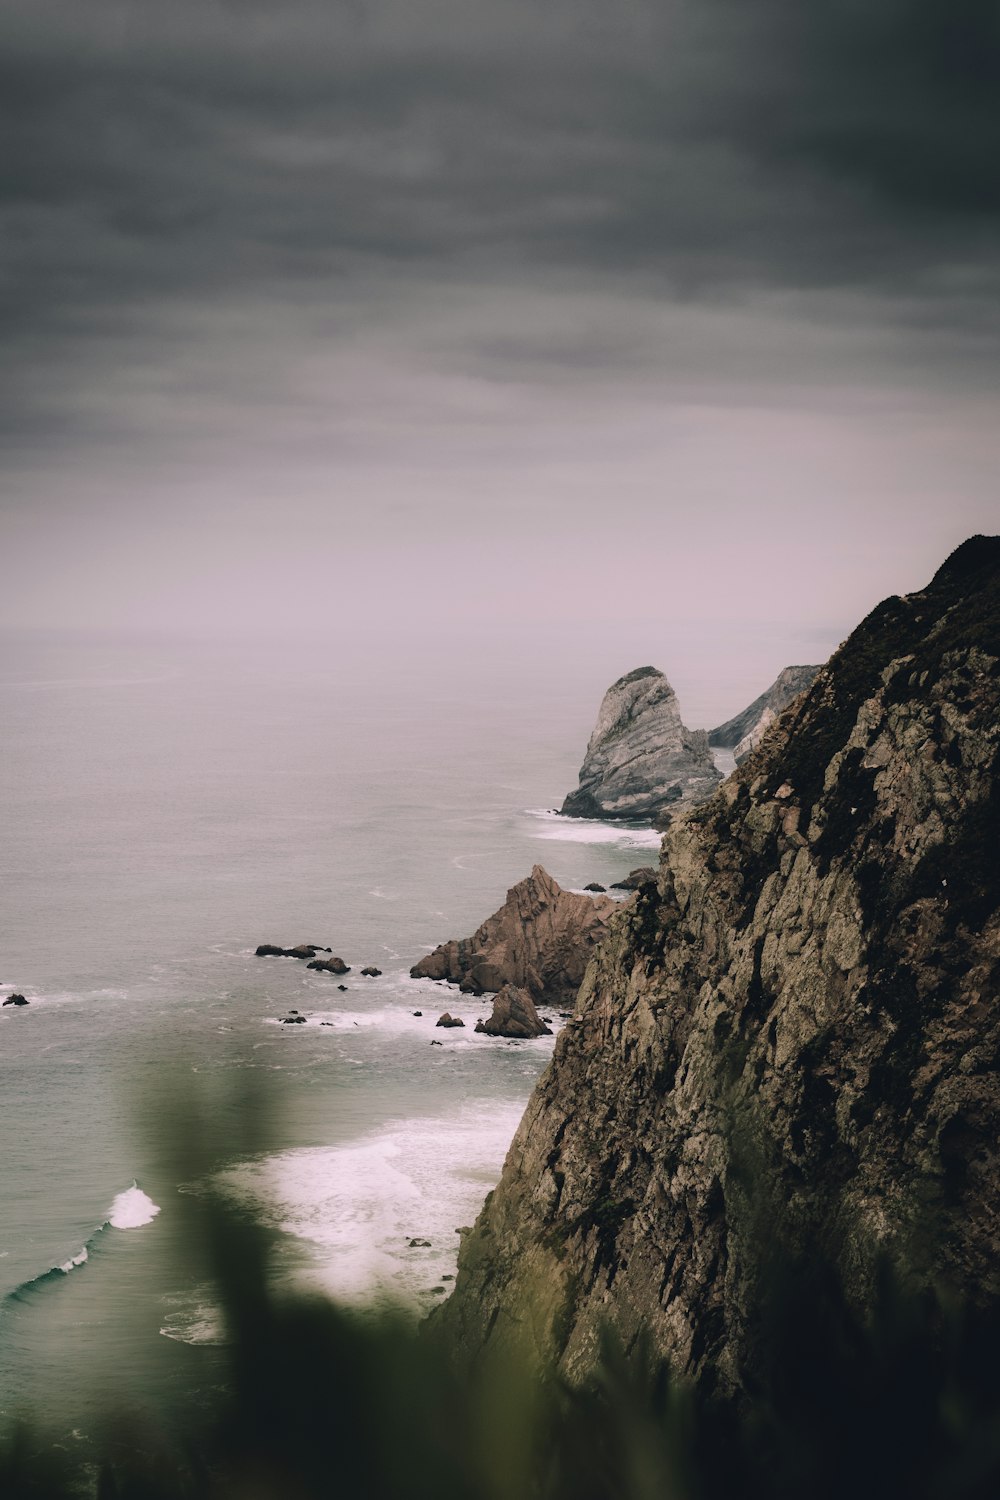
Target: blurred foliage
(318,1401)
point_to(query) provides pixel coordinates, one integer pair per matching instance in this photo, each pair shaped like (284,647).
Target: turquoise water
(165,809)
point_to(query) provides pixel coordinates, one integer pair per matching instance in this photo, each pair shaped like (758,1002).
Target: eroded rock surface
(793,1037)
(641,759)
(744,731)
(540,940)
(514,1015)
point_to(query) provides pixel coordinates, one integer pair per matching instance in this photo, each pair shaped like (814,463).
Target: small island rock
(514,1015)
(449,1020)
(16,1000)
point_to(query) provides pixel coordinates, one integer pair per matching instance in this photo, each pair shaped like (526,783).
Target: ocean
(166,807)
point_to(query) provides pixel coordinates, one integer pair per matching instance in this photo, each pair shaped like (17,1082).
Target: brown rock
(540,940)
(329,965)
(449,1020)
(514,1015)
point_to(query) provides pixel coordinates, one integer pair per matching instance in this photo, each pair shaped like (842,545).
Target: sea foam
(359,1205)
(132,1209)
(584,831)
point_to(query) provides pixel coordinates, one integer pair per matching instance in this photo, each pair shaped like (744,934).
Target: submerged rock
(789,1046)
(641,759)
(540,940)
(514,1015)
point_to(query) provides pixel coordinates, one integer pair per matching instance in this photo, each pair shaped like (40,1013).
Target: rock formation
(514,1015)
(744,732)
(333,965)
(792,1040)
(641,759)
(540,940)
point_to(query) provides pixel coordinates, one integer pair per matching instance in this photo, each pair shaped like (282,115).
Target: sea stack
(540,940)
(787,1050)
(641,760)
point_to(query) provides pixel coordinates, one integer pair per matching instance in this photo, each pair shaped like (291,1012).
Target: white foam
(75,1260)
(359,1205)
(194,1319)
(583,831)
(132,1209)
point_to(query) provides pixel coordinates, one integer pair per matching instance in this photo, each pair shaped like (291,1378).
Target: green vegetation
(319,1402)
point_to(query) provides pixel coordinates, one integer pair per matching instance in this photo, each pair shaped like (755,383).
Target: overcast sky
(426,313)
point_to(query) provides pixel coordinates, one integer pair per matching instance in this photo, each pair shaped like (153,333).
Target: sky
(495,319)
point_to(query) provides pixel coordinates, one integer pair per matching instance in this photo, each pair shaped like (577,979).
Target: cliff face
(792,1036)
(641,759)
(540,940)
(751,723)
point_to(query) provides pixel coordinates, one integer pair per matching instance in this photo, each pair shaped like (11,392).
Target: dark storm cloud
(170,157)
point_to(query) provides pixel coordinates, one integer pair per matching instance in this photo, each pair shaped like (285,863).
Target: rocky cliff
(641,759)
(540,940)
(792,1037)
(743,732)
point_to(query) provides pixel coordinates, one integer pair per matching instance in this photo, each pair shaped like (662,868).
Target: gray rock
(641,759)
(751,723)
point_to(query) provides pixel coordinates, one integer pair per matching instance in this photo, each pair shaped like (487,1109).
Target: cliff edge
(792,1038)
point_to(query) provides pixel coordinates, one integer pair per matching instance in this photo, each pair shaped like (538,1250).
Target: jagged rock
(593,886)
(751,740)
(640,758)
(791,1043)
(371,972)
(16,1000)
(437,1044)
(785,688)
(293,1020)
(301,950)
(635,879)
(328,965)
(541,940)
(447,1019)
(514,1015)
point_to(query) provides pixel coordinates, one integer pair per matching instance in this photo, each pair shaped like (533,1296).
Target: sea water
(167,807)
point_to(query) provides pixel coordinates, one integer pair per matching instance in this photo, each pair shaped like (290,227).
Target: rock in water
(641,759)
(514,1015)
(744,732)
(332,965)
(540,940)
(16,1000)
(448,1020)
(789,1045)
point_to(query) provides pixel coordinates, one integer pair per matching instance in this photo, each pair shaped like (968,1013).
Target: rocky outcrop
(333,965)
(301,950)
(16,1000)
(641,759)
(540,940)
(447,1020)
(791,1042)
(744,732)
(514,1015)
